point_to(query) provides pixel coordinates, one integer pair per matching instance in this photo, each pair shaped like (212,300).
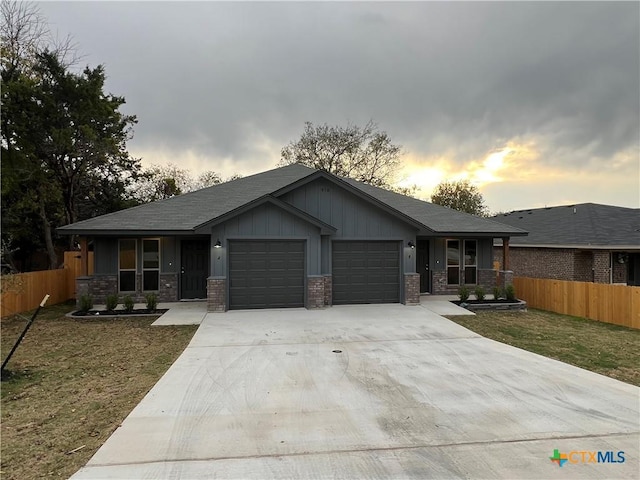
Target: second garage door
(266,274)
(366,272)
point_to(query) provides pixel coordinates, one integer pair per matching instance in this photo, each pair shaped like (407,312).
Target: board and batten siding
(268,221)
(353,217)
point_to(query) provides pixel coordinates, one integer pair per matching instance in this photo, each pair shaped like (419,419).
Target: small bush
(496,293)
(112,302)
(510,293)
(85,303)
(479,291)
(463,293)
(127,303)
(152,301)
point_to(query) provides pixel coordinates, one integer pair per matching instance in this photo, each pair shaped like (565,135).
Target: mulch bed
(118,313)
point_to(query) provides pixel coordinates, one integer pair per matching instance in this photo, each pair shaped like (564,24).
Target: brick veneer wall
(561,264)
(487,278)
(216,294)
(411,288)
(99,286)
(328,290)
(619,271)
(315,292)
(168,287)
(582,266)
(601,267)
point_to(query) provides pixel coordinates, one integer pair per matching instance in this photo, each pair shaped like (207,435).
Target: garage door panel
(266,274)
(366,272)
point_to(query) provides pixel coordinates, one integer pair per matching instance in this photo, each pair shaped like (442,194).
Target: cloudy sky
(537,103)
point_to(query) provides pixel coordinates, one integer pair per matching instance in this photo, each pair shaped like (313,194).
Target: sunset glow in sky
(536,103)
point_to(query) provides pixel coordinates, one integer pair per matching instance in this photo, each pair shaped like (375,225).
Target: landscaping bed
(117,313)
(500,304)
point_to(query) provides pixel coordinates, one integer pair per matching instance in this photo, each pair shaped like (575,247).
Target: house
(587,242)
(288,237)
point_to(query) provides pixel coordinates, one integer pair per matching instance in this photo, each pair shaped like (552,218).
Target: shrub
(463,293)
(496,293)
(510,293)
(111,302)
(479,291)
(152,301)
(127,303)
(85,303)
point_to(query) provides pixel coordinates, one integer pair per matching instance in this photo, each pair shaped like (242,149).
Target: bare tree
(25,34)
(361,153)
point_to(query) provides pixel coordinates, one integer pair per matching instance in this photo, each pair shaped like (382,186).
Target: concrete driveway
(383,391)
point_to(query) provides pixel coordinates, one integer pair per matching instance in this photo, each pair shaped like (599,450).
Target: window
(127,265)
(150,264)
(453,262)
(463,263)
(470,261)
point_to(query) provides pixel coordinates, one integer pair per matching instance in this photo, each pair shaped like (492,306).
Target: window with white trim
(150,264)
(127,265)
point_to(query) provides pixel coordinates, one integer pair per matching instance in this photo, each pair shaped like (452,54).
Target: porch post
(505,253)
(84,257)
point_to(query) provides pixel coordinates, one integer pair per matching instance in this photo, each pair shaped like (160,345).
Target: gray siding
(105,255)
(268,221)
(352,216)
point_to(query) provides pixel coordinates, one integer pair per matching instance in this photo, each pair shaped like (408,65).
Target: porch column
(505,253)
(84,257)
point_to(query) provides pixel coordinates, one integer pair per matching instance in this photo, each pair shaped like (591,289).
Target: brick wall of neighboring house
(582,266)
(619,271)
(556,263)
(562,264)
(601,267)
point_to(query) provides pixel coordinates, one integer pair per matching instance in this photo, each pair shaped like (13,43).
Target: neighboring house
(288,237)
(587,242)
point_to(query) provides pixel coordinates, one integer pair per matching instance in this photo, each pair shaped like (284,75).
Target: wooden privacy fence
(22,292)
(618,304)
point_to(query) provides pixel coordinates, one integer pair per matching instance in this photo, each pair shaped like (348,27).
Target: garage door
(366,272)
(266,274)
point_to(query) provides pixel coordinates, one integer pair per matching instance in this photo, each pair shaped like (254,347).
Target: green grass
(603,348)
(72,383)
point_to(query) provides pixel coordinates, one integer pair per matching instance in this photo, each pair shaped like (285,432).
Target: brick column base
(315,292)
(216,294)
(83,287)
(328,290)
(411,289)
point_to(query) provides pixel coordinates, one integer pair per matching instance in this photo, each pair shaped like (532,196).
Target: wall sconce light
(218,244)
(411,245)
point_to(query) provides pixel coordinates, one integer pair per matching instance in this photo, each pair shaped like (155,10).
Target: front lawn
(73,382)
(603,348)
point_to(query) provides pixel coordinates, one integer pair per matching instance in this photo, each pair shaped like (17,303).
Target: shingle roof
(187,211)
(184,213)
(585,224)
(438,218)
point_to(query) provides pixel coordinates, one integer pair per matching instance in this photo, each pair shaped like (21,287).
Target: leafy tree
(460,195)
(64,152)
(362,153)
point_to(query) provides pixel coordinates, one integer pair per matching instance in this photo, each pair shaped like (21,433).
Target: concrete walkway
(182,313)
(442,305)
(382,391)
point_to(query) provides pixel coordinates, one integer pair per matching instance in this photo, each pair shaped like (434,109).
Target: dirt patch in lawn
(603,348)
(73,382)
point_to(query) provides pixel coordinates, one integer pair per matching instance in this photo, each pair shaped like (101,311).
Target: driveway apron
(372,391)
